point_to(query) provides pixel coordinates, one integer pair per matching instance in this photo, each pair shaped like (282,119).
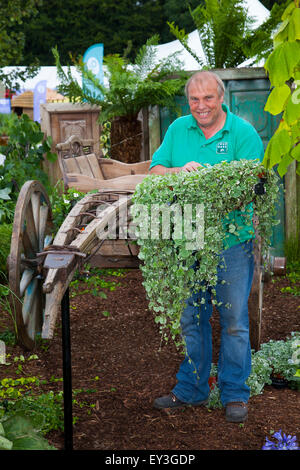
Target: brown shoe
(236,412)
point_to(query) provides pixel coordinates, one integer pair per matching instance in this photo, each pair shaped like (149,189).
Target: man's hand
(191,166)
(162,170)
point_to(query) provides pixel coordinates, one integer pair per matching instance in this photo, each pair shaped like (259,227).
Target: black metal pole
(67,371)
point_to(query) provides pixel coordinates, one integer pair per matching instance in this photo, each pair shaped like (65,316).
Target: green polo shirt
(184,141)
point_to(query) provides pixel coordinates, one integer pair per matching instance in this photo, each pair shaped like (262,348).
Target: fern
(224,27)
(132,86)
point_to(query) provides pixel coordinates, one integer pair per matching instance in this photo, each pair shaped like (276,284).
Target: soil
(118,353)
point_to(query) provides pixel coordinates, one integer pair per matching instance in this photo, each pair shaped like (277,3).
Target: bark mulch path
(117,353)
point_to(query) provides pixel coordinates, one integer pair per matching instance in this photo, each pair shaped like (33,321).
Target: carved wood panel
(61,120)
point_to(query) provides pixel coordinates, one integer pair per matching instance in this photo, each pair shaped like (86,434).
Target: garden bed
(120,365)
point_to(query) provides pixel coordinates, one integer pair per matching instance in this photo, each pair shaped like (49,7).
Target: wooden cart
(41,268)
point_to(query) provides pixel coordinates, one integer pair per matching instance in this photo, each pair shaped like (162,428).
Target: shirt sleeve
(249,145)
(163,155)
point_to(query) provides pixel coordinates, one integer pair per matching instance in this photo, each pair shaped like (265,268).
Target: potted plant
(279,354)
(132,87)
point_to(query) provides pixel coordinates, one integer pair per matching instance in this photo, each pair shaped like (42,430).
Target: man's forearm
(163,170)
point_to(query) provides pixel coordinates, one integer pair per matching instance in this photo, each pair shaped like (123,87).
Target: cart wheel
(31,233)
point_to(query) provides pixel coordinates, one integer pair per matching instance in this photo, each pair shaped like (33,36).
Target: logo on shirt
(222,147)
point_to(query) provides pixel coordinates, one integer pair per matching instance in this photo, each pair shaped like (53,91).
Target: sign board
(93,59)
(39,96)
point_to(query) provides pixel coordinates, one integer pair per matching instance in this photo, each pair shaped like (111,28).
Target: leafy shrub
(274,356)
(18,433)
(23,154)
(279,355)
(5,237)
(62,202)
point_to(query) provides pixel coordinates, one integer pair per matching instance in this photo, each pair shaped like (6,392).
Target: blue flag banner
(93,60)
(39,96)
(5,106)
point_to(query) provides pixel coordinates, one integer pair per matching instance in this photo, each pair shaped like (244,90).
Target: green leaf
(296,153)
(5,444)
(21,432)
(283,165)
(278,146)
(287,12)
(277,99)
(287,55)
(292,111)
(4,193)
(294,25)
(281,33)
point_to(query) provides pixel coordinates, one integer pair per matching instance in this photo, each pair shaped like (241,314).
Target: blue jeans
(234,363)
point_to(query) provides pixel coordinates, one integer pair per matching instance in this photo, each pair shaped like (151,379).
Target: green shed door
(247,98)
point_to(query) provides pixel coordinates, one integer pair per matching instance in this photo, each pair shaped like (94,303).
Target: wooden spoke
(26,279)
(35,320)
(29,299)
(31,230)
(36,204)
(43,216)
(30,226)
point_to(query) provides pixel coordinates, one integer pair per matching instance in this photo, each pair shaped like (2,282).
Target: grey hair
(202,75)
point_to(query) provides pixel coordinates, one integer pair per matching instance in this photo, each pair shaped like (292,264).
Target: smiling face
(205,101)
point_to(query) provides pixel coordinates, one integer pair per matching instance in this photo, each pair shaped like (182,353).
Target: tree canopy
(74,26)
(13,15)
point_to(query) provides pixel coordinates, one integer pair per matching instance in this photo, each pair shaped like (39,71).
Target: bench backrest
(80,165)
(76,156)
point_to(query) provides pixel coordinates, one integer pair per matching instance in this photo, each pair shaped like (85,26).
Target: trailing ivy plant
(283,67)
(167,262)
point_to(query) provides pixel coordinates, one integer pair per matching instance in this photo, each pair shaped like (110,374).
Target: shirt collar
(227,126)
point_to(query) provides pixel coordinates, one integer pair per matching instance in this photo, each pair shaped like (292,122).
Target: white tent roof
(45,73)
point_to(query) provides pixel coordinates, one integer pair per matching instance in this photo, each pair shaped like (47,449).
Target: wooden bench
(82,169)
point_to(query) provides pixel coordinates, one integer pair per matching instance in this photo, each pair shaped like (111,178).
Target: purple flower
(284,442)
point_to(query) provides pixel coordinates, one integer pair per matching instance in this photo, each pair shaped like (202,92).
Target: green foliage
(93,284)
(12,42)
(283,67)
(7,298)
(5,237)
(272,357)
(77,25)
(62,202)
(167,263)
(293,276)
(18,433)
(226,35)
(280,355)
(222,24)
(45,410)
(105,142)
(178,12)
(23,155)
(132,86)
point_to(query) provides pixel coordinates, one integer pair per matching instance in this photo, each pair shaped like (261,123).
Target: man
(211,134)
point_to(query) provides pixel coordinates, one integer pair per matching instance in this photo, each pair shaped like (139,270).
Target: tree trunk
(126,140)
